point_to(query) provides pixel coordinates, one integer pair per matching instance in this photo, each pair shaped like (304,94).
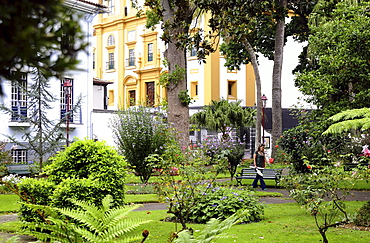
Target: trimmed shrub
(363,216)
(35,191)
(221,203)
(86,170)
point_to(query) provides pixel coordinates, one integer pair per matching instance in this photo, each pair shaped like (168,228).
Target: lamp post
(264,100)
(67,91)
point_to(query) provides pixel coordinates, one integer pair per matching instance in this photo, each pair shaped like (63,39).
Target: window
(231,89)
(150,52)
(132,97)
(110,63)
(150,94)
(19,156)
(131,57)
(193,52)
(111,40)
(194,89)
(111,97)
(66,99)
(110,5)
(19,98)
(93,57)
(131,36)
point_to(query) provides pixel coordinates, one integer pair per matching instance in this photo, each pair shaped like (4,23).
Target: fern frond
(345,126)
(351,114)
(213,229)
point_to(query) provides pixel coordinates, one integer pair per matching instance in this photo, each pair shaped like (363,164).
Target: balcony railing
(109,65)
(130,61)
(75,116)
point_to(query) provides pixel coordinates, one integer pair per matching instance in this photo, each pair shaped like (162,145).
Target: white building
(81,82)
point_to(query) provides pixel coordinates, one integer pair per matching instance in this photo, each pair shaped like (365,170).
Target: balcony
(109,65)
(130,62)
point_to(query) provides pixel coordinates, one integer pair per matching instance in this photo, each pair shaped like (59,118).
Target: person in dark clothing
(259,162)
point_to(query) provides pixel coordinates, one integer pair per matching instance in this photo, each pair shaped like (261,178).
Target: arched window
(111,40)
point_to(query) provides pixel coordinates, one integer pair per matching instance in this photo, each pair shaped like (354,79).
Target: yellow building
(129,58)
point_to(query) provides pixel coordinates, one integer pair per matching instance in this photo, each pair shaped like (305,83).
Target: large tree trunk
(253,57)
(178,113)
(277,124)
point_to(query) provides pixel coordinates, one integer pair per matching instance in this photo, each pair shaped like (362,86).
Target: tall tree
(339,47)
(176,17)
(45,136)
(250,27)
(33,34)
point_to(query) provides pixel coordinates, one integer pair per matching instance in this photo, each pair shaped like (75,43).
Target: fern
(93,224)
(213,229)
(356,119)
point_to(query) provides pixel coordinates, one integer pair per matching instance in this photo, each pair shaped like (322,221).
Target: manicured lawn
(8,203)
(286,222)
(283,223)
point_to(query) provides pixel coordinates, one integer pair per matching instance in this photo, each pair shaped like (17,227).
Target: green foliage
(224,116)
(5,158)
(174,77)
(363,216)
(214,229)
(178,191)
(340,47)
(350,120)
(223,153)
(221,203)
(185,98)
(95,224)
(85,170)
(35,191)
(139,133)
(318,192)
(43,30)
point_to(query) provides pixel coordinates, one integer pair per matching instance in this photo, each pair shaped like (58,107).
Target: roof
(98,81)
(85,6)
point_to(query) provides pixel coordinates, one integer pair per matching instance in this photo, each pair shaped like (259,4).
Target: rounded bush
(35,191)
(363,216)
(223,202)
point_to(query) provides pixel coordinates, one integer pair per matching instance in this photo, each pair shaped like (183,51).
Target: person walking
(259,162)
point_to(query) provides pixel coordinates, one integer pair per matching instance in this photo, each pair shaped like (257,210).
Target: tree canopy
(223,116)
(38,33)
(339,46)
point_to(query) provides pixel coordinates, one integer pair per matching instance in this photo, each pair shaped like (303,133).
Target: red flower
(309,167)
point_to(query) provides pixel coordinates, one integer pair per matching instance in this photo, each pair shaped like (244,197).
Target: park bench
(351,166)
(250,173)
(20,169)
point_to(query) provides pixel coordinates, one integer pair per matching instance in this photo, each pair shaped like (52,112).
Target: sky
(290,93)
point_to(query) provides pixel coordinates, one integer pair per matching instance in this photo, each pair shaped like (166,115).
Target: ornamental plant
(179,191)
(228,152)
(221,203)
(86,170)
(318,192)
(138,133)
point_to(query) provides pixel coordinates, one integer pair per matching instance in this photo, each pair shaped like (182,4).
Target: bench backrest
(266,172)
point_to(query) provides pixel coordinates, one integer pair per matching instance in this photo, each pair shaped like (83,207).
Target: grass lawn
(283,223)
(286,222)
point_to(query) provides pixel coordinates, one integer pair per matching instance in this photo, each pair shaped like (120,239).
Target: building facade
(130,58)
(76,87)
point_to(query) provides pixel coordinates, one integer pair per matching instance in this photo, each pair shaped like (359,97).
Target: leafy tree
(176,17)
(248,27)
(138,134)
(224,116)
(339,46)
(38,33)
(45,136)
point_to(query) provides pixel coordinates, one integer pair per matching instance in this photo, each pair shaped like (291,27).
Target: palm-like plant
(90,223)
(356,119)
